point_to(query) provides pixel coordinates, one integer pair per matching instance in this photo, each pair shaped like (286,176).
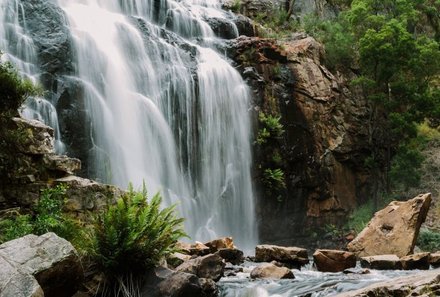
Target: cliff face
(324,145)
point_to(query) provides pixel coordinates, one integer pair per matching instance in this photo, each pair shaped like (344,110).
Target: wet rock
(233,256)
(424,283)
(394,229)
(33,137)
(269,270)
(14,282)
(381,262)
(52,260)
(434,259)
(415,261)
(209,287)
(356,271)
(333,260)
(210,266)
(197,248)
(290,255)
(245,26)
(220,243)
(222,28)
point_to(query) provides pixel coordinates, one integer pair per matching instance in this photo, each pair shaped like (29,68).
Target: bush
(360,217)
(47,217)
(14,90)
(133,235)
(271,128)
(428,240)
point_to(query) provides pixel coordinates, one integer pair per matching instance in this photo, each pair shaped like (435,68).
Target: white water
(172,117)
(19,49)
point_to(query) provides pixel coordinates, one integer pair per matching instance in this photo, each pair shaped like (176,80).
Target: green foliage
(277,23)
(133,235)
(47,217)
(274,179)
(405,167)
(236,6)
(360,217)
(14,90)
(271,128)
(428,240)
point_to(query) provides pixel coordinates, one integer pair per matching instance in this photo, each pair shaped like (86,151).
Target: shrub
(271,128)
(47,217)
(14,90)
(428,240)
(360,217)
(133,235)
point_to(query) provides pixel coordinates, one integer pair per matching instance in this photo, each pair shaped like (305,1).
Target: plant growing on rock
(133,235)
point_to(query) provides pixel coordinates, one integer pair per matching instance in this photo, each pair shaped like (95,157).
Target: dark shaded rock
(381,262)
(434,259)
(269,270)
(233,256)
(394,229)
(415,261)
(176,259)
(333,260)
(245,26)
(210,266)
(52,260)
(290,255)
(222,28)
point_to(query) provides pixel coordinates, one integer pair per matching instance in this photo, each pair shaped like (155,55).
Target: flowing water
(307,282)
(164,107)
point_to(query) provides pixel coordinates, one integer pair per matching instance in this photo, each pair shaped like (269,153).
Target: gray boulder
(52,260)
(14,282)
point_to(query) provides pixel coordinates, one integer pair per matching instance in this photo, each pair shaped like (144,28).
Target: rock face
(381,262)
(210,266)
(289,255)
(419,284)
(394,229)
(333,260)
(269,270)
(50,259)
(324,144)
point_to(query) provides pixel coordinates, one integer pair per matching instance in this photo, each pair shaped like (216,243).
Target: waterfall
(163,105)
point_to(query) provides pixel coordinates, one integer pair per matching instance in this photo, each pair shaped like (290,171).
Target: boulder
(52,260)
(15,282)
(233,256)
(176,259)
(162,282)
(394,229)
(210,266)
(415,261)
(424,283)
(197,248)
(333,260)
(269,270)
(434,259)
(381,262)
(63,164)
(220,243)
(289,255)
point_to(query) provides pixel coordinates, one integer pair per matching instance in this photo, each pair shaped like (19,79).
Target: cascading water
(163,106)
(19,49)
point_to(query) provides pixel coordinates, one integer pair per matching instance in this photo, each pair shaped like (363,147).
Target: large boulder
(52,260)
(210,266)
(34,137)
(434,259)
(333,260)
(14,282)
(415,261)
(394,229)
(220,243)
(381,262)
(269,270)
(162,282)
(197,248)
(233,256)
(289,255)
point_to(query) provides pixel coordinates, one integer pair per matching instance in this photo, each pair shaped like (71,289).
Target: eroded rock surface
(333,260)
(394,229)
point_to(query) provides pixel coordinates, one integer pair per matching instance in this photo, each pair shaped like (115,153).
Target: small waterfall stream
(164,107)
